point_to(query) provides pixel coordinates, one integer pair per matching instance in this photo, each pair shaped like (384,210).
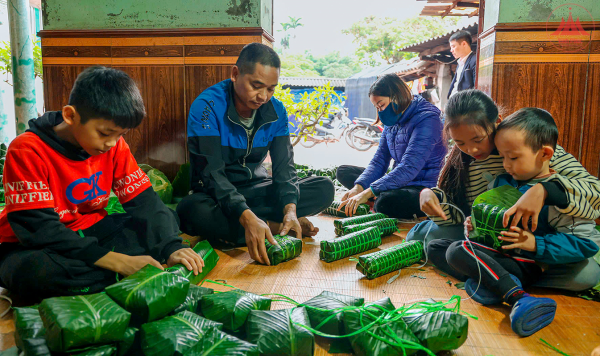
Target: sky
(324,21)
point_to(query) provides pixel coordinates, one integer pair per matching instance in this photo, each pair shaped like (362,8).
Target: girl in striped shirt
(474,162)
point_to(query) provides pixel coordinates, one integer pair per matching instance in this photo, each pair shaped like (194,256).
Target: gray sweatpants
(571,276)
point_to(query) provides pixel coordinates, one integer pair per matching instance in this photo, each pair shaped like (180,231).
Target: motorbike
(328,130)
(364,134)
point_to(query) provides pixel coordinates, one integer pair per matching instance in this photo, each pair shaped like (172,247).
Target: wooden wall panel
(198,78)
(590,153)
(556,87)
(58,82)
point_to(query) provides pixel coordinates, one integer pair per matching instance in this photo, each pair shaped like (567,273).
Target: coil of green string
(340,224)
(363,209)
(382,262)
(350,244)
(387,226)
(289,248)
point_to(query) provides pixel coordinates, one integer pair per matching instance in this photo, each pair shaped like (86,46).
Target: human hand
(352,203)
(596,351)
(290,221)
(528,206)
(520,238)
(352,192)
(124,264)
(256,232)
(468,225)
(430,204)
(187,257)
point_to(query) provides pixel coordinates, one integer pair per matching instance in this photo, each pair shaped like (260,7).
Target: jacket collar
(265,114)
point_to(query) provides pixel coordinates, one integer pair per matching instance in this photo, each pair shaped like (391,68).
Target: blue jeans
(576,276)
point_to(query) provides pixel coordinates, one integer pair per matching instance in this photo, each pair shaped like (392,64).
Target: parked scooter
(328,130)
(365,134)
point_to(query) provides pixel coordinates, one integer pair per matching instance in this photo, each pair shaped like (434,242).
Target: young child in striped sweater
(526,141)
(474,162)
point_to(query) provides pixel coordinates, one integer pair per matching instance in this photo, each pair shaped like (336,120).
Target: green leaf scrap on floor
(417,276)
(442,274)
(460,285)
(554,348)
(449,282)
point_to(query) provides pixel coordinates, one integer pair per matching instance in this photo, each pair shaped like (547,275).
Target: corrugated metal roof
(439,40)
(311,82)
(451,8)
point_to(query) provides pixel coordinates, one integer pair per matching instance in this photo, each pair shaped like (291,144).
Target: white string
(9,305)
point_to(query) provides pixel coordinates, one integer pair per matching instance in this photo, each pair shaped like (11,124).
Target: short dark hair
(391,86)
(110,94)
(462,36)
(537,124)
(253,53)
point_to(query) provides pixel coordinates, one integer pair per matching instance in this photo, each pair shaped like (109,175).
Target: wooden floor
(575,329)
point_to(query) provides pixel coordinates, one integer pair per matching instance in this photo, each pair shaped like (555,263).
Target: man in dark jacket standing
(464,78)
(231,128)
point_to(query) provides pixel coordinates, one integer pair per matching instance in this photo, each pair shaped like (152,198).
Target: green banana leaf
(210,257)
(275,333)
(150,293)
(322,307)
(114,206)
(288,248)
(130,345)
(363,209)
(176,334)
(218,343)
(488,212)
(356,242)
(161,185)
(355,220)
(181,182)
(365,343)
(387,226)
(30,332)
(192,301)
(391,259)
(104,350)
(441,330)
(83,320)
(233,307)
(13,351)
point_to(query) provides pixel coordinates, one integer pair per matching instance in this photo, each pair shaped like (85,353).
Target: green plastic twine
(554,348)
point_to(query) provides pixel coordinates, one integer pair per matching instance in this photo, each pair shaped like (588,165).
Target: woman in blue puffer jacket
(412,137)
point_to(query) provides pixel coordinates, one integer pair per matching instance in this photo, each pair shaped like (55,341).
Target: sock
(513,295)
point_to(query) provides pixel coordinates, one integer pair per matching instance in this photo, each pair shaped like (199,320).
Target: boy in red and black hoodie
(55,236)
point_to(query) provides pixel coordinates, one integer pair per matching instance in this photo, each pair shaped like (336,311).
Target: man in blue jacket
(231,128)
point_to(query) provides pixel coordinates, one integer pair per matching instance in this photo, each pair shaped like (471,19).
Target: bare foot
(308,229)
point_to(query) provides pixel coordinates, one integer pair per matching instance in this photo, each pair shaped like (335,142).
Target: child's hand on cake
(468,225)
(520,238)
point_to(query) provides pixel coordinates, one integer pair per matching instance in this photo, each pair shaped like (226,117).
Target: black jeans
(458,259)
(400,203)
(201,215)
(45,273)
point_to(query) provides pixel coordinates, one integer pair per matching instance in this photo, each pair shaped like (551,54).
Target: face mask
(388,116)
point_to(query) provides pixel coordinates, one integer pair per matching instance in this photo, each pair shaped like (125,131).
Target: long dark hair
(468,107)
(391,86)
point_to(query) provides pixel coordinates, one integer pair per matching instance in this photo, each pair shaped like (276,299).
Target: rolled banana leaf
(438,330)
(210,257)
(130,345)
(81,321)
(386,226)
(30,332)
(150,293)
(218,343)
(391,259)
(370,342)
(355,220)
(275,333)
(289,248)
(175,335)
(348,245)
(104,350)
(363,209)
(323,306)
(232,308)
(488,212)
(192,301)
